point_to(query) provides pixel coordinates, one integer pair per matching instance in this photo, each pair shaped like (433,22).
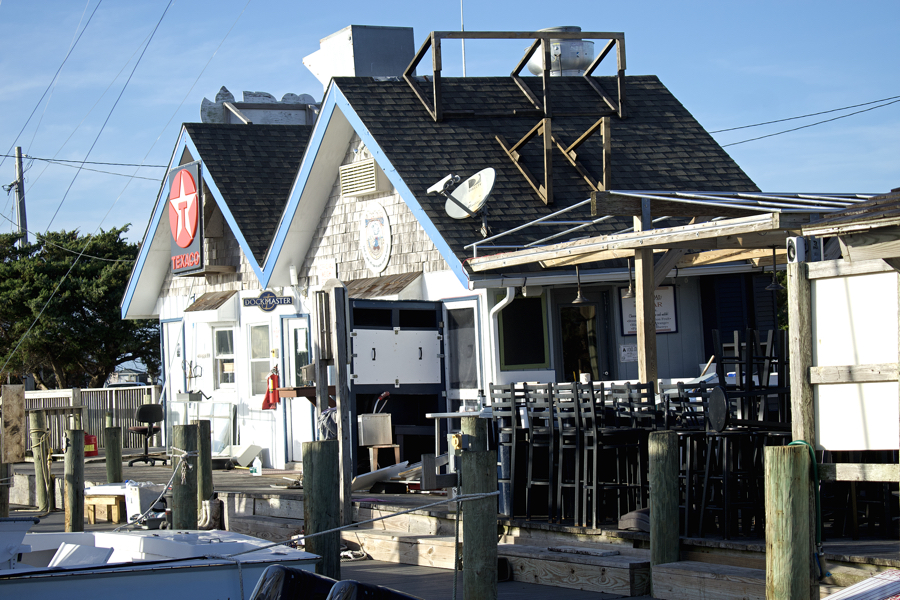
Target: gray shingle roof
(658,146)
(254,167)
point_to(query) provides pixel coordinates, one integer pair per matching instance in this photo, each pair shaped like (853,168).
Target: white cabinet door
(395,357)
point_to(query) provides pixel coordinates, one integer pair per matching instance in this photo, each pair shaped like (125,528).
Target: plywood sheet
(854,322)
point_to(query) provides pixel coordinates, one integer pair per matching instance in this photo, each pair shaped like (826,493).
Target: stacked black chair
(568,447)
(590,413)
(539,410)
(505,415)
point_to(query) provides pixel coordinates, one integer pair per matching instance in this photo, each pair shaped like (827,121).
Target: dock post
(74,465)
(788,548)
(664,517)
(184,486)
(40,449)
(478,474)
(803,412)
(321,479)
(113,455)
(204,462)
(476,429)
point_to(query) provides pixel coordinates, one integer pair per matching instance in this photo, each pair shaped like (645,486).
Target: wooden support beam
(547,133)
(768,226)
(844,268)
(570,156)
(766,261)
(436,64)
(522,169)
(883,242)
(665,264)
(887,473)
(712,257)
(607,153)
(803,423)
(645,304)
(408,76)
(788,551)
(853,373)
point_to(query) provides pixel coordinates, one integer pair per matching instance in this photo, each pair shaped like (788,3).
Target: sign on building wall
(186,218)
(375,237)
(267,301)
(664,302)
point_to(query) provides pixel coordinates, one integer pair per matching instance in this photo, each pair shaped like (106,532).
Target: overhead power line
(69,250)
(68,54)
(111,110)
(85,162)
(810,125)
(815,114)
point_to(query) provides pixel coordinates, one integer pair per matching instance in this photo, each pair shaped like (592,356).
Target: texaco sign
(186,218)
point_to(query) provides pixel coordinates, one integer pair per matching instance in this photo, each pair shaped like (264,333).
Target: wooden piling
(478,474)
(114,455)
(204,462)
(476,429)
(664,517)
(184,486)
(40,450)
(321,478)
(803,417)
(12,439)
(788,549)
(74,468)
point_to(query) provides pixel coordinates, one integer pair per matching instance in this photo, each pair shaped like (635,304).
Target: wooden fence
(91,406)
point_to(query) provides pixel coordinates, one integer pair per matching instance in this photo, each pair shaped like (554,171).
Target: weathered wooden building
(284,208)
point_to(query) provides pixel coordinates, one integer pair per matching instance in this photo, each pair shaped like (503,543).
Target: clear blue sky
(729,63)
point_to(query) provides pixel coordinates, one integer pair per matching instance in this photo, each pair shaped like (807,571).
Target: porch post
(645,286)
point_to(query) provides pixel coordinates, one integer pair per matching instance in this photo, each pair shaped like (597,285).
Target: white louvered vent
(362,178)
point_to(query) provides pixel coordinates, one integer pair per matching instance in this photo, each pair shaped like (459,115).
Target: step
(688,580)
(580,568)
(403,547)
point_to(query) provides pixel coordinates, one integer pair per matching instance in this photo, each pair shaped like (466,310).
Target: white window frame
(267,358)
(217,382)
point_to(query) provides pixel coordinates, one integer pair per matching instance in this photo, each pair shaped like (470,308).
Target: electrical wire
(86,162)
(132,176)
(810,125)
(824,112)
(47,104)
(115,104)
(69,250)
(36,106)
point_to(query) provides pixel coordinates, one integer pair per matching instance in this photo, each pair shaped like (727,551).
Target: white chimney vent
(363,178)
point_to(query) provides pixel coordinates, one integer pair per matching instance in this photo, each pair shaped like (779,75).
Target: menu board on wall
(666,315)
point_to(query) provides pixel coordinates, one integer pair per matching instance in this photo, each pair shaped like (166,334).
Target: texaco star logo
(183,208)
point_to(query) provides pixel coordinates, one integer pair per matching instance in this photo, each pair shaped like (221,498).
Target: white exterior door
(301,413)
(462,330)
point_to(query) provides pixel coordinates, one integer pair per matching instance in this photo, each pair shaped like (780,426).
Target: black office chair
(149,414)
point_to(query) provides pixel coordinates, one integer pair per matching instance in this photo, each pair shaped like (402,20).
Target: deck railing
(91,406)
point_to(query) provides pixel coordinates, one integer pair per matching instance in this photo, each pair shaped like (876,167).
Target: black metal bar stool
(590,423)
(506,421)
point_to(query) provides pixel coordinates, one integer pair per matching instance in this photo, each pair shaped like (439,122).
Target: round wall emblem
(375,237)
(183,208)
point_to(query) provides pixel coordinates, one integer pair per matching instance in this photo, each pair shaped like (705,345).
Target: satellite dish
(470,196)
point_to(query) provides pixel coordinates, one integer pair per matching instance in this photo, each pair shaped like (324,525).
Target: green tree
(74,337)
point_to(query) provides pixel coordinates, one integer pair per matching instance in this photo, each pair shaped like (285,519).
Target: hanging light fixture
(579,299)
(630,292)
(774,286)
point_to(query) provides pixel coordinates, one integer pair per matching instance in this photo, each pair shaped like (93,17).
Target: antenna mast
(462,27)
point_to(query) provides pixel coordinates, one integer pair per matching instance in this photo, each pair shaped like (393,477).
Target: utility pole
(21,221)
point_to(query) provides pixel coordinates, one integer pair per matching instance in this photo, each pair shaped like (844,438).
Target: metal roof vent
(363,178)
(567,57)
